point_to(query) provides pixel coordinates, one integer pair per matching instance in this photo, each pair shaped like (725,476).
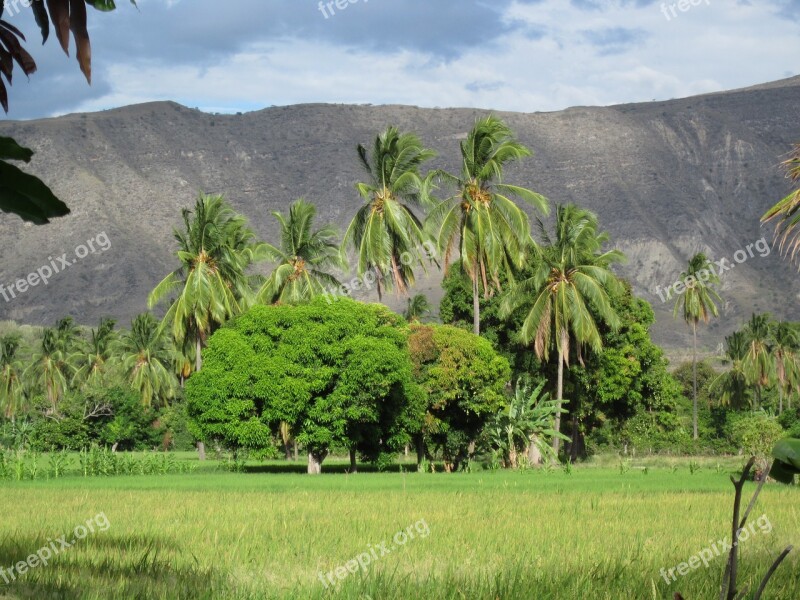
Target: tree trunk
(534,454)
(315,462)
(559,399)
(476,304)
(201,450)
(114,447)
(512,456)
(353,461)
(287,451)
(780,399)
(296,452)
(419,442)
(198,359)
(694,380)
(573,448)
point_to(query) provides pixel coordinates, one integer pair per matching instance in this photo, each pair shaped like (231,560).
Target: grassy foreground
(598,532)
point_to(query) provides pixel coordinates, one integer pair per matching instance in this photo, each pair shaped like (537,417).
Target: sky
(515,55)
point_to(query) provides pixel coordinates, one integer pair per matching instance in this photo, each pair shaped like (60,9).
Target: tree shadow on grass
(103,566)
(327,469)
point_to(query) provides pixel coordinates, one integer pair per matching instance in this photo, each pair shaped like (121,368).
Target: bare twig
(729,591)
(767,577)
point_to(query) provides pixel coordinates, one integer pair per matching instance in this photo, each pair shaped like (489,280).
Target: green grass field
(598,532)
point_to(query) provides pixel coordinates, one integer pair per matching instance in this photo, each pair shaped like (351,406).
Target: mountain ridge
(666,178)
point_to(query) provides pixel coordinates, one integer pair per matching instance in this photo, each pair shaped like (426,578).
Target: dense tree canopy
(463,381)
(337,373)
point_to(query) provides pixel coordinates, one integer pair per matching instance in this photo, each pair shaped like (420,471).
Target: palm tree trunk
(559,399)
(694,380)
(476,304)
(198,364)
(198,359)
(573,449)
(780,399)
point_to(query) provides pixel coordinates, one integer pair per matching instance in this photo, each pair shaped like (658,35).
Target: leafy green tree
(491,232)
(756,434)
(146,356)
(570,292)
(215,249)
(335,373)
(303,258)
(628,378)
(93,360)
(418,307)
(463,381)
(129,425)
(786,213)
(386,232)
(697,304)
(11,388)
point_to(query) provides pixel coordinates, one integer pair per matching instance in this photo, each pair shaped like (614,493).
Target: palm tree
(303,258)
(11,389)
(215,249)
(787,211)
(733,383)
(786,362)
(69,334)
(50,368)
(491,232)
(417,308)
(570,291)
(93,359)
(697,304)
(386,233)
(757,360)
(146,356)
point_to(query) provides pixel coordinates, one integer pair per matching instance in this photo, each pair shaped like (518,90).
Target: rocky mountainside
(666,178)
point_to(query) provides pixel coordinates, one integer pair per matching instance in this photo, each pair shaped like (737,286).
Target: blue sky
(517,55)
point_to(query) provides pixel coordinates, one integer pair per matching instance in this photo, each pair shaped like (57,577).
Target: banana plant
(526,424)
(787,461)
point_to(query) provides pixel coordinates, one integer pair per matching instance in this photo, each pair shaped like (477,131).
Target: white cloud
(556,56)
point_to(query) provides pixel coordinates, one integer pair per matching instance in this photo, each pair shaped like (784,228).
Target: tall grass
(590,533)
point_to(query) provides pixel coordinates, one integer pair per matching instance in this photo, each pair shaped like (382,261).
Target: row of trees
(763,355)
(65,359)
(557,294)
(566,291)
